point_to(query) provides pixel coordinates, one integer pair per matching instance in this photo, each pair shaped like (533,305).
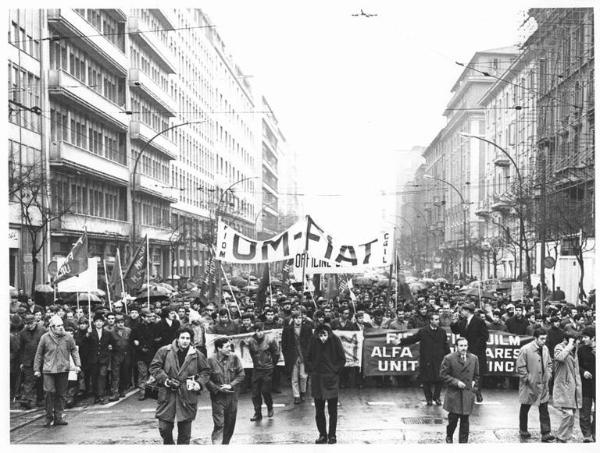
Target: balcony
(155,188)
(482,209)
(501,161)
(501,203)
(63,85)
(71,156)
(166,16)
(95,225)
(68,23)
(139,81)
(150,42)
(139,131)
(155,234)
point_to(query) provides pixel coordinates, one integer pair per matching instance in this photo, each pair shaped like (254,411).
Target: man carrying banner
(324,362)
(534,366)
(433,346)
(460,371)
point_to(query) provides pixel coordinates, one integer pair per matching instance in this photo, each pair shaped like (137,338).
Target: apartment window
(24,88)
(24,30)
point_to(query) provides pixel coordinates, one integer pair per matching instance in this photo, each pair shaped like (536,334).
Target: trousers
(544,418)
(32,389)
(320,416)
(299,378)
(55,386)
(224,413)
(184,432)
(142,375)
(261,388)
(99,372)
(567,423)
(437,390)
(587,425)
(463,431)
(120,372)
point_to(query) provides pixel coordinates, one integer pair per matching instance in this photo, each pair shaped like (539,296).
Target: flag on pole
(207,285)
(136,271)
(286,272)
(316,278)
(116,278)
(77,260)
(261,293)
(350,288)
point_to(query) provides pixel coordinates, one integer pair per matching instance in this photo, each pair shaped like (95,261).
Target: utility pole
(542,225)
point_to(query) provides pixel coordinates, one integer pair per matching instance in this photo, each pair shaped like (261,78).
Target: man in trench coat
(534,367)
(460,371)
(181,371)
(433,346)
(324,362)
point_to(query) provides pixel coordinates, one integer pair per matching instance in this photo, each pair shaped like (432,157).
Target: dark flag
(207,289)
(116,279)
(136,271)
(317,282)
(261,294)
(332,287)
(77,260)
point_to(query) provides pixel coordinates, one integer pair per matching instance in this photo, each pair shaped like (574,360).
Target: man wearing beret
(473,328)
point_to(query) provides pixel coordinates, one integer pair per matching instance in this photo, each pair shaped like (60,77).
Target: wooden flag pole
(107,285)
(122,283)
(148,269)
(270,287)
(89,308)
(77,293)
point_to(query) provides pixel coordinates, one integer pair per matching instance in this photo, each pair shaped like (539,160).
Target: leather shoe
(60,422)
(302,396)
(448,439)
(525,434)
(270,412)
(321,440)
(297,400)
(479,397)
(429,403)
(26,405)
(142,396)
(437,402)
(48,424)
(256,418)
(115,397)
(548,438)
(332,440)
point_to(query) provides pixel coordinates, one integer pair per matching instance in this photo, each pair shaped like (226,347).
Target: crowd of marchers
(58,357)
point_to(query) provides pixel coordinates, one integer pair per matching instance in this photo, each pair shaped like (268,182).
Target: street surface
(368,416)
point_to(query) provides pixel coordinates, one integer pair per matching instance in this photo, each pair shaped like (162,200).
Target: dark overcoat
(460,401)
(324,362)
(477,334)
(433,346)
(288,344)
(180,404)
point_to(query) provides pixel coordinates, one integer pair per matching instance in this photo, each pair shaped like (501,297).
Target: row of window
(153,212)
(64,55)
(24,30)
(145,112)
(24,91)
(86,132)
(141,60)
(85,196)
(110,28)
(152,164)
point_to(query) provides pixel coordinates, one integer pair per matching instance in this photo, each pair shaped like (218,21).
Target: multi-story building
(563,44)
(132,118)
(26,148)
(459,186)
(506,181)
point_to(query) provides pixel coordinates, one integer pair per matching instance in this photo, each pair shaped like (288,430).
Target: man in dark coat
(265,355)
(473,328)
(295,339)
(518,323)
(168,326)
(460,372)
(100,343)
(433,346)
(587,367)
(324,362)
(29,338)
(180,371)
(142,341)
(121,359)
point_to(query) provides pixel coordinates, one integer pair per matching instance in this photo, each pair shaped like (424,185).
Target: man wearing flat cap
(473,328)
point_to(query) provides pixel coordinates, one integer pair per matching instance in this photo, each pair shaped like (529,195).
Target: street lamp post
(464,205)
(522,238)
(133,175)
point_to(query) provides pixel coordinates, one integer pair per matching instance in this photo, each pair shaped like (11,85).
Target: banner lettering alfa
(351,341)
(382,357)
(304,237)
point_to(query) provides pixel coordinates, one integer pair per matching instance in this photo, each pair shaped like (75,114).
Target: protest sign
(382,357)
(303,241)
(352,341)
(516,291)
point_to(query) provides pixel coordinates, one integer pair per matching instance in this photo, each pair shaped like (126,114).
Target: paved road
(368,416)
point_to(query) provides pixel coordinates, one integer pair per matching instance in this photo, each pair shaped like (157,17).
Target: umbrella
(441,280)
(417,286)
(155,291)
(233,289)
(167,286)
(13,291)
(98,292)
(276,282)
(362,280)
(44,289)
(238,281)
(83,297)
(476,292)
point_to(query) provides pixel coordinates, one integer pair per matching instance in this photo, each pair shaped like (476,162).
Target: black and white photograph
(279,223)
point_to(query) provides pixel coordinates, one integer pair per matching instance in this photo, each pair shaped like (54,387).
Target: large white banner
(302,238)
(86,281)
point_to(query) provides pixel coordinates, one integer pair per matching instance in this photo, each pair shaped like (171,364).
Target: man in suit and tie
(473,328)
(460,371)
(100,346)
